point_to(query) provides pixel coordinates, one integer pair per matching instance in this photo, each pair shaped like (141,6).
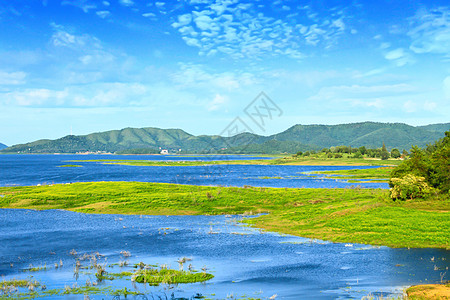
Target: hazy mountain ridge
(3,146)
(296,138)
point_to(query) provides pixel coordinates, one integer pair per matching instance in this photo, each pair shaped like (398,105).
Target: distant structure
(164,151)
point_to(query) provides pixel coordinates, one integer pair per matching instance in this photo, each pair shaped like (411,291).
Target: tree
(362,150)
(405,153)
(357,154)
(384,153)
(395,153)
(432,164)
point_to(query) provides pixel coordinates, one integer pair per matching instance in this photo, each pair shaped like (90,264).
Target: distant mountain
(441,128)
(3,146)
(296,138)
(369,134)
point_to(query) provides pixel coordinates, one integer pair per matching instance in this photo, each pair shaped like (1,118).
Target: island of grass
(319,160)
(365,216)
(70,166)
(169,276)
(381,174)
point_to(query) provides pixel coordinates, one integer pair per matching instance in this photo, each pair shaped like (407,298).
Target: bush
(395,153)
(337,155)
(384,155)
(409,187)
(357,155)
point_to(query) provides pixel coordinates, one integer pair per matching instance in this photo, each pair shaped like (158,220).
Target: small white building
(164,151)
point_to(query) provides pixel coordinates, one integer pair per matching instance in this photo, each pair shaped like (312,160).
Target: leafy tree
(432,164)
(357,155)
(384,153)
(299,153)
(405,153)
(362,150)
(395,153)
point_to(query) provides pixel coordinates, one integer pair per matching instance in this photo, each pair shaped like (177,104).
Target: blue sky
(196,64)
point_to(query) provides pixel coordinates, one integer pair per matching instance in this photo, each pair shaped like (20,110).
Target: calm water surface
(44,169)
(243,261)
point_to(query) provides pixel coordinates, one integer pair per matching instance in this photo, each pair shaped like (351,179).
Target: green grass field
(342,215)
(318,160)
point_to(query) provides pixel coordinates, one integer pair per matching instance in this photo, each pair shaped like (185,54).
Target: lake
(244,261)
(44,169)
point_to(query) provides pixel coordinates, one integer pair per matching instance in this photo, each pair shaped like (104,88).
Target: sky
(89,66)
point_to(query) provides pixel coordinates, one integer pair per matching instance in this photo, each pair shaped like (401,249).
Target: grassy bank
(381,174)
(301,161)
(341,215)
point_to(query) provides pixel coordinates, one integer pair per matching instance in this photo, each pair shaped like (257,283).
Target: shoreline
(363,216)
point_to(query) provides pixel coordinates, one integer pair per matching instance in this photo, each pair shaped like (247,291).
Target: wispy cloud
(430,31)
(399,56)
(12,78)
(217,102)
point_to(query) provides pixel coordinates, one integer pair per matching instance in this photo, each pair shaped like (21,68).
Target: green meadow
(356,215)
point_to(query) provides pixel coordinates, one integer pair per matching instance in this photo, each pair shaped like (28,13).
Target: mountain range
(297,138)
(3,146)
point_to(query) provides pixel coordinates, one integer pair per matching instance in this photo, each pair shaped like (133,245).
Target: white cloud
(12,78)
(35,97)
(62,38)
(399,56)
(243,30)
(126,2)
(217,102)
(149,15)
(196,76)
(431,31)
(183,20)
(103,13)
(90,95)
(85,5)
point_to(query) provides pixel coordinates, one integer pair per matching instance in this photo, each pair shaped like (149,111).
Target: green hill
(369,134)
(296,138)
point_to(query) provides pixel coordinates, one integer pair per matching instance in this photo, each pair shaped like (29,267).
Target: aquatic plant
(169,276)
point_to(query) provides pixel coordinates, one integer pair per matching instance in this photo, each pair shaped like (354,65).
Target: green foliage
(169,276)
(357,155)
(384,155)
(409,187)
(395,153)
(432,164)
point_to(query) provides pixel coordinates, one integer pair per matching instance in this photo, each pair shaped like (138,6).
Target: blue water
(43,169)
(244,261)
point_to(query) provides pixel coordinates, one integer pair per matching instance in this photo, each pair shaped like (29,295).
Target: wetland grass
(356,215)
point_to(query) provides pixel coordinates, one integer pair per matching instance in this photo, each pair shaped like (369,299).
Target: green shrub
(409,187)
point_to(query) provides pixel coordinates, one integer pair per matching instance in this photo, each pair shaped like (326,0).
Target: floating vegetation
(70,166)
(169,276)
